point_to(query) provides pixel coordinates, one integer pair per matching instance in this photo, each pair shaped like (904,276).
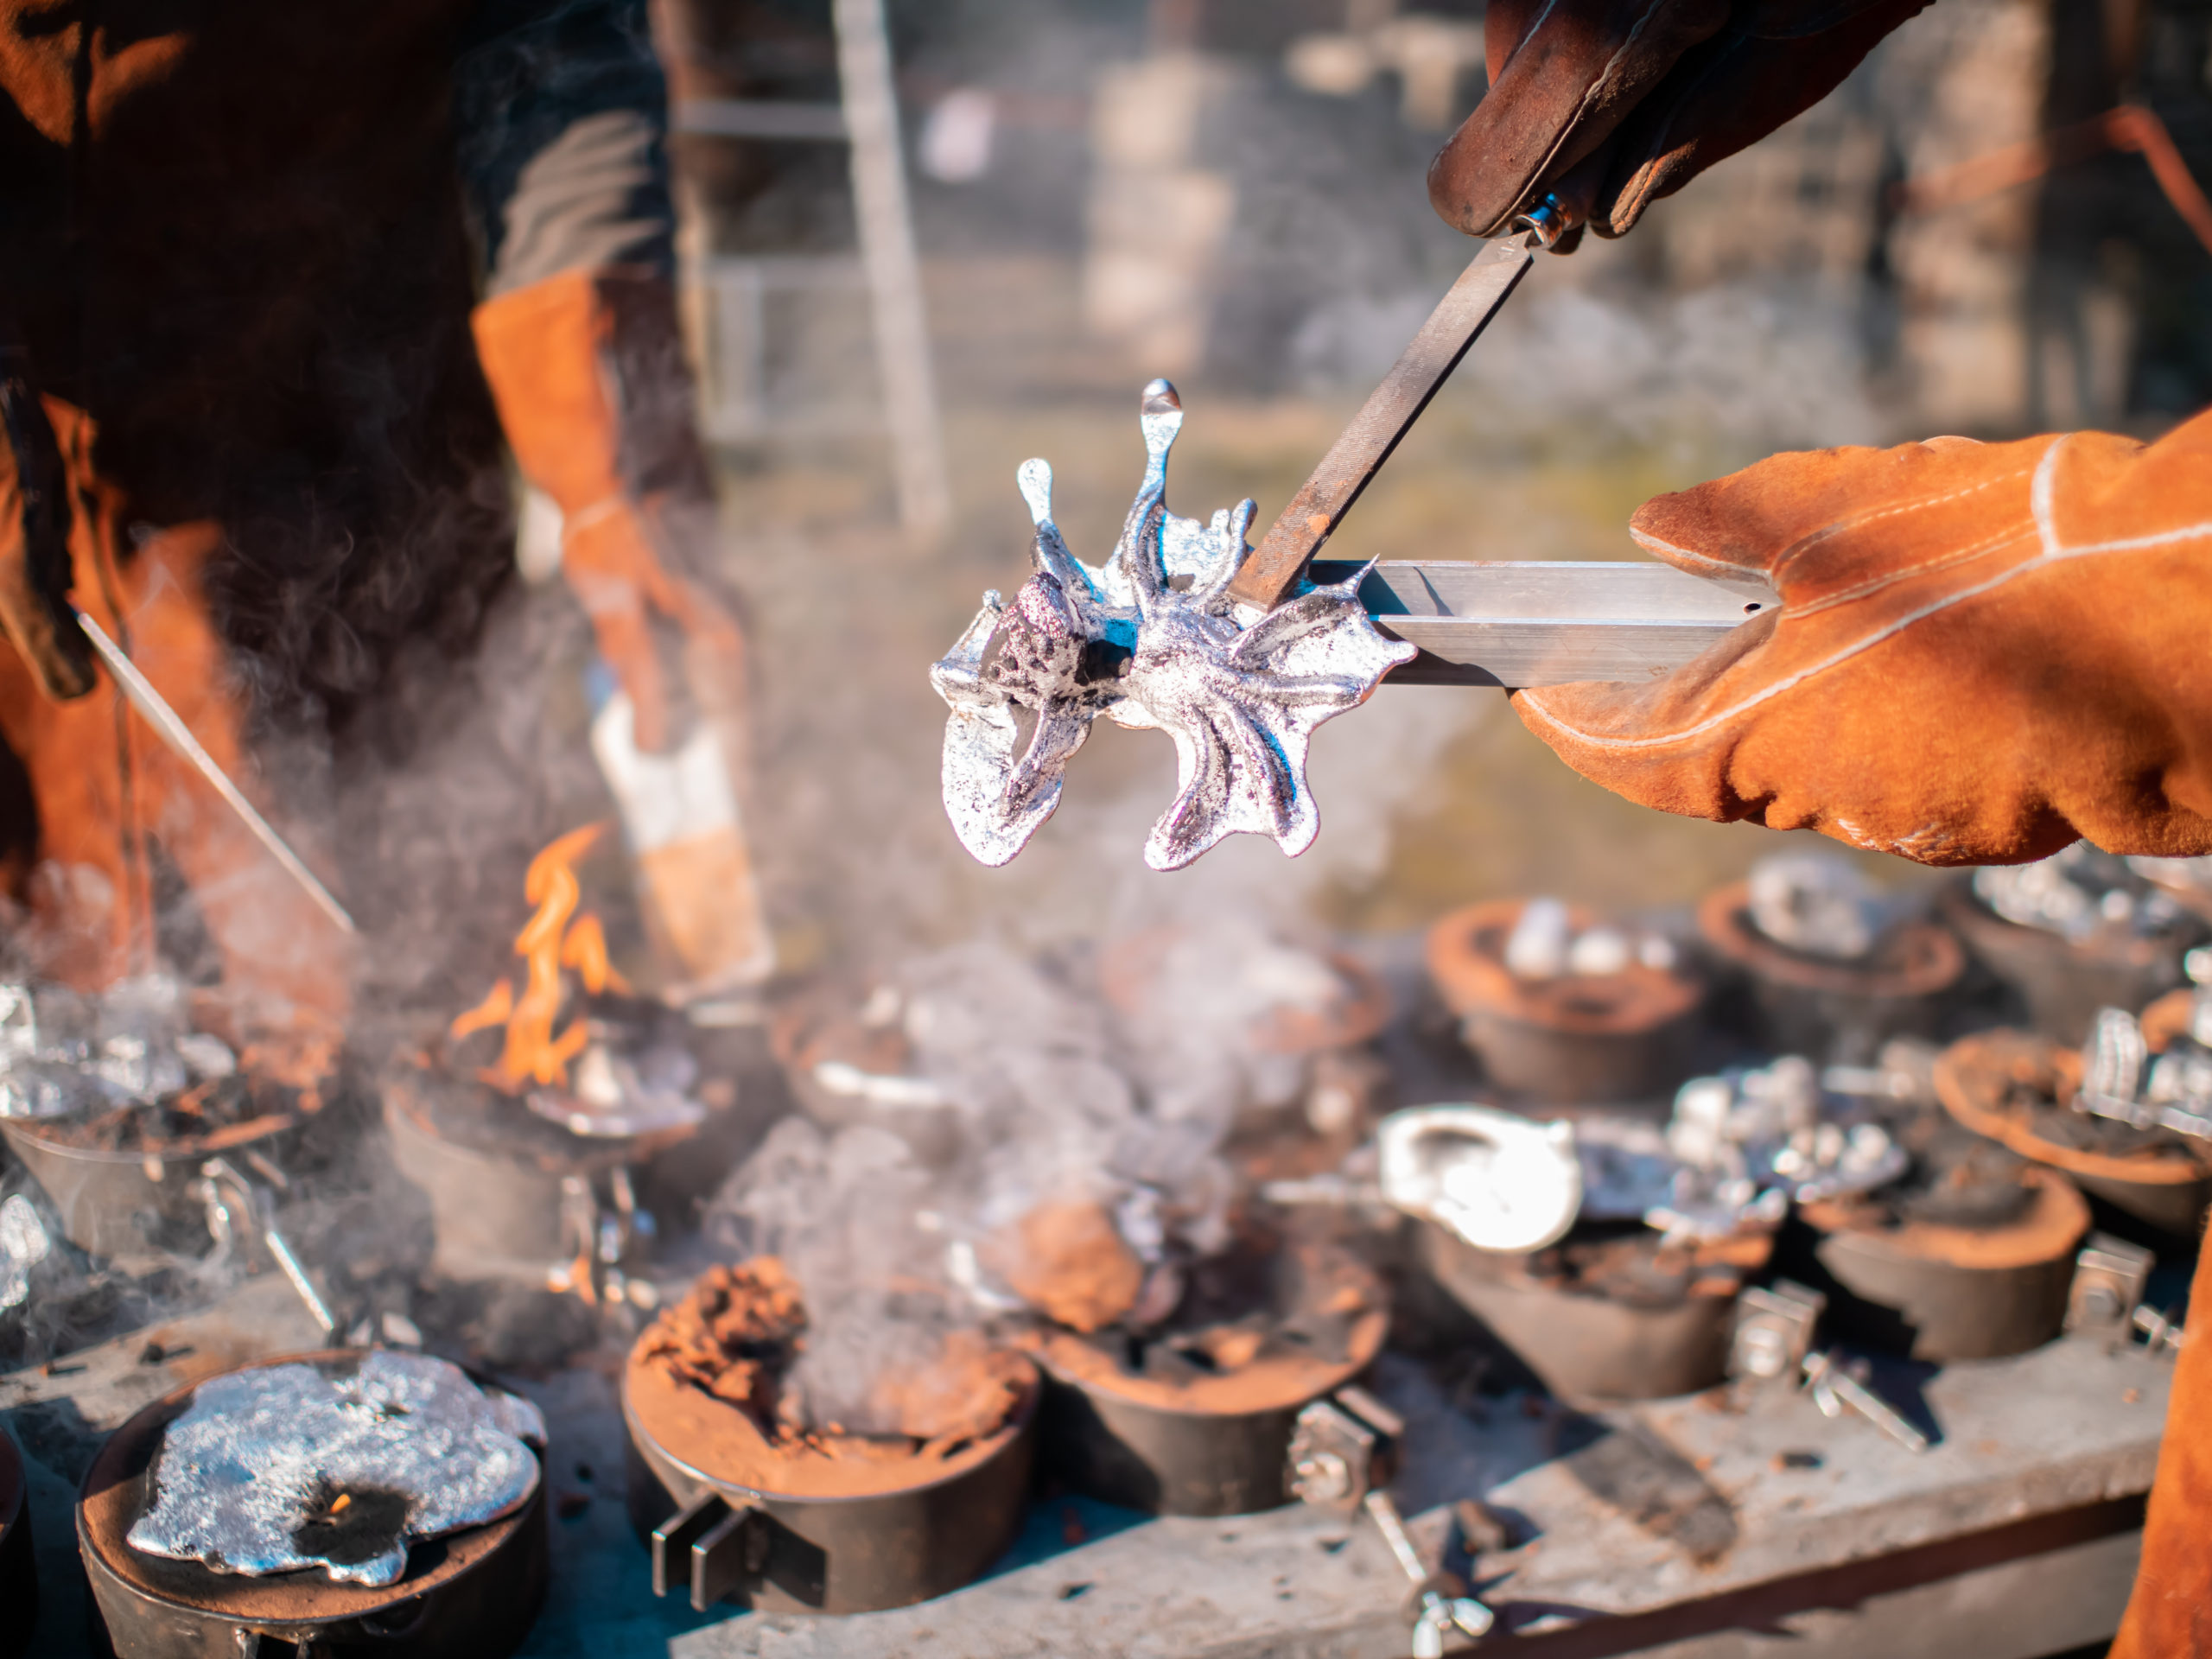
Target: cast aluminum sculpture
(1151,639)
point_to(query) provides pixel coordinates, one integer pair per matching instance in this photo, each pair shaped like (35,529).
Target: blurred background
(1230,192)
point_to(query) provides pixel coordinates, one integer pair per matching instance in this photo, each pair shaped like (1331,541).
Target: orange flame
(555,938)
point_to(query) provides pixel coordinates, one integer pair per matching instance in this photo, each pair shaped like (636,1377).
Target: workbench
(1681,1527)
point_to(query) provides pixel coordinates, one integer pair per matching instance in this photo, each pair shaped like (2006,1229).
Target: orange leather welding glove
(1613,103)
(587,370)
(2169,1612)
(1982,652)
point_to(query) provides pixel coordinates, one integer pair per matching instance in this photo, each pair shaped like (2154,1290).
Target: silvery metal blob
(258,1473)
(1152,640)
(1498,1181)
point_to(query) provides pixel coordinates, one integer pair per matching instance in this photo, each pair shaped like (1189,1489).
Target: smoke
(1774,363)
(1093,1096)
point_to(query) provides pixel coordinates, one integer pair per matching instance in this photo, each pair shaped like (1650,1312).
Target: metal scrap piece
(1152,640)
(281,1467)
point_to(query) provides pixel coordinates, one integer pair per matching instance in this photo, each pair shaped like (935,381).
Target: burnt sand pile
(714,1380)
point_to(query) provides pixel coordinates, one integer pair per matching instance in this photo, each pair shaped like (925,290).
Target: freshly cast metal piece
(1498,1181)
(1151,640)
(169,726)
(263,1461)
(1251,654)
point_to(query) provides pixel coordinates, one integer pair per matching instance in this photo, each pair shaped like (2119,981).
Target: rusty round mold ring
(1466,961)
(1970,1079)
(1919,959)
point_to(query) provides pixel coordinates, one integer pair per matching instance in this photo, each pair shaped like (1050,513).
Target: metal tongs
(1240,653)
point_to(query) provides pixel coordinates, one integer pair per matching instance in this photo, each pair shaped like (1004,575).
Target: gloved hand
(34,556)
(586,370)
(1983,651)
(2169,1612)
(1613,103)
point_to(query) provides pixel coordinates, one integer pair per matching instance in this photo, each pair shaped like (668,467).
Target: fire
(556,937)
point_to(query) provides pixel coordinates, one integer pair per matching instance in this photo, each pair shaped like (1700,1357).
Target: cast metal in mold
(283,1467)
(1151,639)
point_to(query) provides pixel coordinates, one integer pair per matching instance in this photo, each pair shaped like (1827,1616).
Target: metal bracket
(1341,1448)
(719,1546)
(1773,1333)
(2110,1276)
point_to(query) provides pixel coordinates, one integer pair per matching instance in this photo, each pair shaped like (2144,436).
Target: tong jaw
(1152,640)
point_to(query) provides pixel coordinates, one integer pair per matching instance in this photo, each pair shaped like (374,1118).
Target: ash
(282,1468)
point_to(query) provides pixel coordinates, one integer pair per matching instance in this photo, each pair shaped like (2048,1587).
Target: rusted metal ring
(1920,959)
(2166,1186)
(851,1553)
(1586,1346)
(2065,984)
(1576,1037)
(1947,1292)
(1218,1445)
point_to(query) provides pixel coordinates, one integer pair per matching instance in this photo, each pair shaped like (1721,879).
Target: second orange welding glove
(1983,651)
(587,370)
(1615,102)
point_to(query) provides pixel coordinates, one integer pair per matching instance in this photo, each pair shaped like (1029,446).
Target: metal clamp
(1545,222)
(1343,1451)
(1341,1448)
(2110,1276)
(2105,1302)
(721,1546)
(1773,1333)
(1772,1346)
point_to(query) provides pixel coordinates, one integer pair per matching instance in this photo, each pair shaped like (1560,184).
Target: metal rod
(1543,622)
(279,1248)
(887,232)
(169,726)
(1386,417)
(1393,1528)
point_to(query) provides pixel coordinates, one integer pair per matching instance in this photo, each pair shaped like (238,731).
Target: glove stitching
(1651,544)
(1860,521)
(1721,568)
(1956,557)
(2039,496)
(2057,553)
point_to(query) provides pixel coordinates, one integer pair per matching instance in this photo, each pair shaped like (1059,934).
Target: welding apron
(232,249)
(124,826)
